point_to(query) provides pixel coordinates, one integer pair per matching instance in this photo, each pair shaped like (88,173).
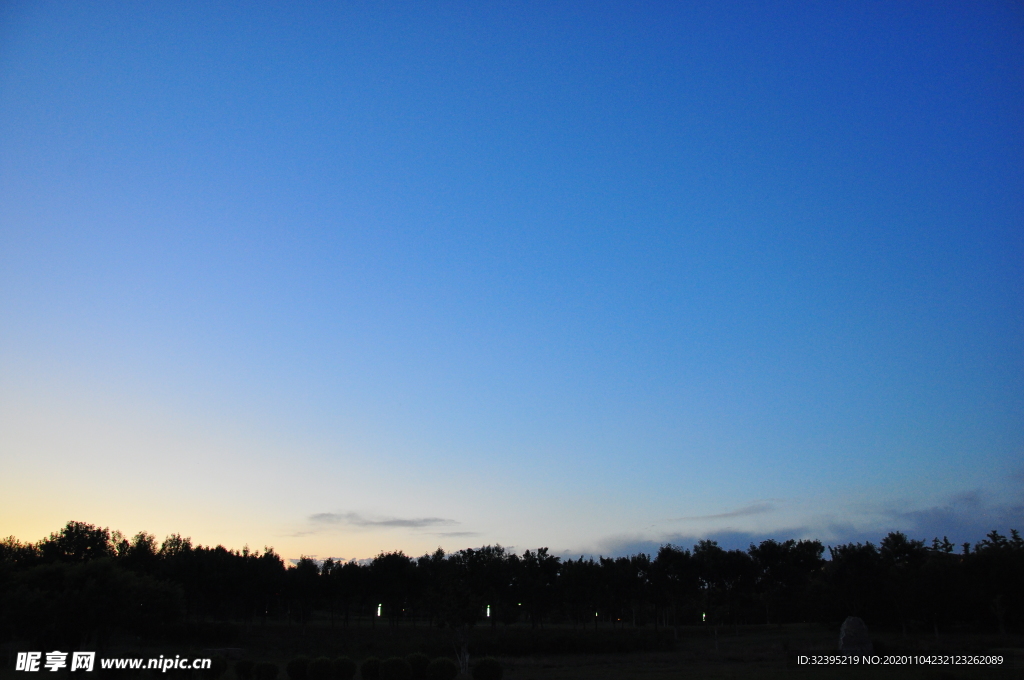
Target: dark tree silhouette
(676,584)
(84,584)
(537,575)
(782,574)
(854,574)
(77,542)
(392,577)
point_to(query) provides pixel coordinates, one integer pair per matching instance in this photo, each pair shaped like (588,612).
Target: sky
(350,277)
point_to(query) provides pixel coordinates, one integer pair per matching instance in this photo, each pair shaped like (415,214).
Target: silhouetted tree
(70,604)
(901,561)
(854,574)
(675,582)
(81,584)
(996,567)
(77,542)
(392,578)
(579,587)
(140,554)
(782,574)
(304,587)
(537,577)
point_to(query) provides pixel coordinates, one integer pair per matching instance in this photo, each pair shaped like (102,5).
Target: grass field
(664,666)
(743,652)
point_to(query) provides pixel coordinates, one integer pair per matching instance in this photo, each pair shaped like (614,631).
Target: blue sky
(350,277)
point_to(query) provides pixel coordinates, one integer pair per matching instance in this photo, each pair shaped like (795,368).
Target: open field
(740,652)
(662,666)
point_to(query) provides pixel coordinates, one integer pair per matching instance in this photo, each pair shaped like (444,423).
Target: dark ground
(564,653)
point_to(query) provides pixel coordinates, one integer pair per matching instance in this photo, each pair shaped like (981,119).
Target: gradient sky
(346,277)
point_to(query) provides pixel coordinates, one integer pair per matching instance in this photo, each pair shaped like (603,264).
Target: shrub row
(412,667)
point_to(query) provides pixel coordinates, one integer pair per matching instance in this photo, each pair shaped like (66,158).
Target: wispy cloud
(746,511)
(457,534)
(319,561)
(966,517)
(617,546)
(357,520)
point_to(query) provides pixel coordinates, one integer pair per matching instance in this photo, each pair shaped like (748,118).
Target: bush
(487,668)
(298,668)
(243,669)
(265,671)
(344,668)
(442,669)
(320,669)
(418,662)
(370,669)
(395,668)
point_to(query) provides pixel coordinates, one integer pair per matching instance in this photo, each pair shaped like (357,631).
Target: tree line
(83,583)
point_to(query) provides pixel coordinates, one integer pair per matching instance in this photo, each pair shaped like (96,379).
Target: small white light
(703,617)
(488,611)
(378,609)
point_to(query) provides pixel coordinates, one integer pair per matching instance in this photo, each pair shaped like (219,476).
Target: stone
(853,637)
